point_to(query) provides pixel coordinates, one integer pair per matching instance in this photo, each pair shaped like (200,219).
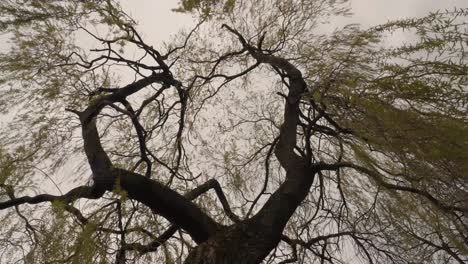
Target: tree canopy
(250,138)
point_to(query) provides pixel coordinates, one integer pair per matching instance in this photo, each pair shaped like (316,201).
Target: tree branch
(160,198)
(378,178)
(214,184)
(285,148)
(76,193)
(211,184)
(167,203)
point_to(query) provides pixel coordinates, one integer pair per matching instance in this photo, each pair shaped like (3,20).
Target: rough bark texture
(168,203)
(247,241)
(178,209)
(250,241)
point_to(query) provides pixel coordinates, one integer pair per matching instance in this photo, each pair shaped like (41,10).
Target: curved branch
(76,193)
(288,135)
(211,184)
(161,199)
(167,203)
(154,245)
(274,215)
(214,184)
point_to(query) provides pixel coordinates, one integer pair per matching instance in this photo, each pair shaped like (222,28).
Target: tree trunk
(250,241)
(240,243)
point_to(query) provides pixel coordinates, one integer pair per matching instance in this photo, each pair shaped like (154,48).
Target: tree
(249,138)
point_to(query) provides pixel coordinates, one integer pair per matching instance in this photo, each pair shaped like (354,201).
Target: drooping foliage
(347,145)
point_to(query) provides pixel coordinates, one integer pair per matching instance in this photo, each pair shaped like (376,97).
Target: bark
(176,208)
(250,242)
(78,192)
(161,199)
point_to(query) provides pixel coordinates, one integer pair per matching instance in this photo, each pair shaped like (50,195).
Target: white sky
(371,12)
(157,22)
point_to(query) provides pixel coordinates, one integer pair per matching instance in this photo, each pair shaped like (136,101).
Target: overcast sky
(371,12)
(157,22)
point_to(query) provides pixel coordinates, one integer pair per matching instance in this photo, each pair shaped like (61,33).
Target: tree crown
(318,147)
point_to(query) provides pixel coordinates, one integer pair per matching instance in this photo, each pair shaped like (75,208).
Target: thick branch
(76,193)
(160,198)
(178,209)
(288,135)
(117,95)
(283,202)
(211,184)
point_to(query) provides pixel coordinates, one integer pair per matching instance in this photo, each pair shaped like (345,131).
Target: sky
(371,12)
(157,22)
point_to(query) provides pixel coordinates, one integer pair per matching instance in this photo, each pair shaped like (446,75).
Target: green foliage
(408,102)
(54,240)
(206,7)
(85,245)
(7,167)
(123,195)
(399,110)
